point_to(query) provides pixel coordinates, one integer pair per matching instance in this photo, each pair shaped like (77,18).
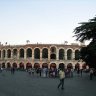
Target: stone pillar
(57,65)
(65,55)
(5,64)
(25,55)
(73,55)
(40,58)
(49,54)
(11,54)
(25,66)
(5,54)
(32,57)
(40,65)
(48,57)
(40,54)
(6,58)
(18,55)
(57,54)
(17,64)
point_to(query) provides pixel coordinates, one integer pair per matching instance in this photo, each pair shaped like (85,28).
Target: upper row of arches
(61,52)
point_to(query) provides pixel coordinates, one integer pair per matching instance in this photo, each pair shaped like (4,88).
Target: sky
(43,21)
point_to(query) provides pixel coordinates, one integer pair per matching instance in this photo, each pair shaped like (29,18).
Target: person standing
(33,71)
(61,77)
(91,74)
(29,71)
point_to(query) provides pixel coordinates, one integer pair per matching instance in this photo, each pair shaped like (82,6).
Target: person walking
(91,73)
(61,77)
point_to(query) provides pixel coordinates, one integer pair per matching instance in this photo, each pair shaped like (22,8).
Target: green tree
(87,31)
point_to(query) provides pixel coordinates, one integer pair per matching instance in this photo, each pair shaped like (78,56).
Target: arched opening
(14,65)
(36,65)
(37,53)
(69,54)
(77,54)
(29,52)
(14,52)
(69,66)
(45,53)
(8,53)
(53,65)
(21,65)
(8,65)
(61,54)
(77,66)
(21,53)
(84,66)
(53,56)
(3,65)
(53,53)
(3,54)
(28,65)
(53,50)
(44,65)
(61,66)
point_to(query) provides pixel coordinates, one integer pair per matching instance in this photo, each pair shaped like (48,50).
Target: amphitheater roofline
(40,45)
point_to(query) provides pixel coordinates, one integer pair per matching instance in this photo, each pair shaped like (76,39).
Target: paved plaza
(21,84)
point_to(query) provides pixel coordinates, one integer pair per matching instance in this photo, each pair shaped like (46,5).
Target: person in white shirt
(61,77)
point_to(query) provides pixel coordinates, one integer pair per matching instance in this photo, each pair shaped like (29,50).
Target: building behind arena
(40,55)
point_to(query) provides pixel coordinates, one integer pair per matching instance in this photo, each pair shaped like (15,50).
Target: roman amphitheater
(40,55)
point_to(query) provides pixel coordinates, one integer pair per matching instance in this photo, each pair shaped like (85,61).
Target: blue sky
(42,21)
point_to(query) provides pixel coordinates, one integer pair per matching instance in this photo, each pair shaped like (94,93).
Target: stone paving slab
(21,84)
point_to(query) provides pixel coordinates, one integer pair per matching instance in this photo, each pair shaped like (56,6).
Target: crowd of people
(62,73)
(54,72)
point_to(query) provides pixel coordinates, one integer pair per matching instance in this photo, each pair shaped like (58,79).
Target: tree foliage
(87,31)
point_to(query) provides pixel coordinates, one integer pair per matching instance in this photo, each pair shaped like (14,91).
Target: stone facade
(39,55)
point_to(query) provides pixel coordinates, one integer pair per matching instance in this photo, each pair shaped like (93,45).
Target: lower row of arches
(44,65)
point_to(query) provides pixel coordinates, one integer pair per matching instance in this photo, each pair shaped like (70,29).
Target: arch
(36,65)
(14,65)
(53,49)
(53,52)
(84,66)
(3,53)
(8,65)
(69,54)
(77,66)
(77,53)
(37,53)
(53,56)
(14,52)
(61,54)
(45,53)
(44,65)
(61,66)
(3,65)
(70,49)
(29,52)
(21,65)
(69,66)
(28,65)
(8,53)
(52,65)
(21,53)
